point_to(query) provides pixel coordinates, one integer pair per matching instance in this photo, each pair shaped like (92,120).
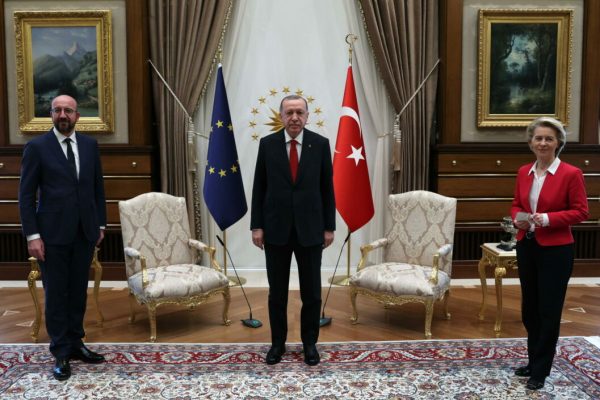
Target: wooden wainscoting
(482,178)
(127,173)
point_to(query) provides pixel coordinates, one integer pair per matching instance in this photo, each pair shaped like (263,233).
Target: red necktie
(293,159)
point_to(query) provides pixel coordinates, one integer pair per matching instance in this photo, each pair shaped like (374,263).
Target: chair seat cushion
(180,280)
(401,279)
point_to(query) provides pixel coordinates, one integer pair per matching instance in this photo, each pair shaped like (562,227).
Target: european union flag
(223,186)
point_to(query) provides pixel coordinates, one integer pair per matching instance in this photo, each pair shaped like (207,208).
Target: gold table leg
(481,267)
(97,278)
(499,272)
(34,274)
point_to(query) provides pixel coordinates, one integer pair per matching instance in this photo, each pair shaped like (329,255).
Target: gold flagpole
(233,280)
(225,252)
(345,280)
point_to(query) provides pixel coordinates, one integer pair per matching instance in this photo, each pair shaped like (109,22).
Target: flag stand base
(234,281)
(340,280)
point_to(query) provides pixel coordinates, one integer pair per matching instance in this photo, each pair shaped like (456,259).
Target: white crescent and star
(349,112)
(356,153)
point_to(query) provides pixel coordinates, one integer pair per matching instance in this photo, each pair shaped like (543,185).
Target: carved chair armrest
(135,254)
(200,246)
(367,248)
(442,252)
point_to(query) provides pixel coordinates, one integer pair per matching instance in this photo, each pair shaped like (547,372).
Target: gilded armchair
(417,264)
(161,258)
(36,273)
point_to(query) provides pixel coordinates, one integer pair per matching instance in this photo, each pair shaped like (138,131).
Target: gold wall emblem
(266,112)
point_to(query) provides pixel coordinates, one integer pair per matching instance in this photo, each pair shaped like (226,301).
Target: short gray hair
(549,122)
(292,97)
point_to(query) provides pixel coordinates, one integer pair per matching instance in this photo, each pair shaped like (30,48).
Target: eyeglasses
(67,111)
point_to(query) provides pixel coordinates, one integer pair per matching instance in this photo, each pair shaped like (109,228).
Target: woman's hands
(536,219)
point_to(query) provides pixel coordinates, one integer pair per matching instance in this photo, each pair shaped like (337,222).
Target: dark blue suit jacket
(63,201)
(278,203)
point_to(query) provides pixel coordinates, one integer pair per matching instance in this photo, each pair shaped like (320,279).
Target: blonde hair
(554,124)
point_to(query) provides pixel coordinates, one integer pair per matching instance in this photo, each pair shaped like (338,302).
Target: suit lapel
(548,186)
(84,157)
(58,154)
(56,149)
(306,155)
(280,152)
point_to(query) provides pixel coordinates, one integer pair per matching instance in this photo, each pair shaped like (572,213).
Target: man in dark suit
(293,211)
(62,169)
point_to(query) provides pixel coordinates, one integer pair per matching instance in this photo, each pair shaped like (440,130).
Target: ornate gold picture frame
(64,52)
(524,66)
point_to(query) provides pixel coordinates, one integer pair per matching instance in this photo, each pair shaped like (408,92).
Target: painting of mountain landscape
(65,62)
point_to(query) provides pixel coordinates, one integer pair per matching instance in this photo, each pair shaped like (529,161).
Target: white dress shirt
(536,188)
(288,143)
(63,145)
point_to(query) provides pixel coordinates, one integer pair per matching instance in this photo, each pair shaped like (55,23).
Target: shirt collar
(298,138)
(62,137)
(552,168)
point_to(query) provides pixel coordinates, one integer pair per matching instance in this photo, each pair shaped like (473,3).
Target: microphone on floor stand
(327,320)
(250,322)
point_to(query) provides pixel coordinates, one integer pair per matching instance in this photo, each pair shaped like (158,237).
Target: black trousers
(65,277)
(278,274)
(544,272)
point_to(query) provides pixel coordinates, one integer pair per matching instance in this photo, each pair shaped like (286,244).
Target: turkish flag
(353,198)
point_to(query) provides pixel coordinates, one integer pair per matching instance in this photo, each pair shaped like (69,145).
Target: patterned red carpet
(457,369)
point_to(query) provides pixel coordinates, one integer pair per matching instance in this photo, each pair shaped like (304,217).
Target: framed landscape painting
(64,53)
(524,68)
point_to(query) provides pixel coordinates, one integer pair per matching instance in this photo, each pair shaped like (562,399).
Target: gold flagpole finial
(350,39)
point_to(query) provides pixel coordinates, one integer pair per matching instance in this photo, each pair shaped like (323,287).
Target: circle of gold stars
(234,168)
(274,118)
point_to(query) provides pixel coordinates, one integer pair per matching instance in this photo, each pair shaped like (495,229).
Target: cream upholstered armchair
(417,256)
(160,257)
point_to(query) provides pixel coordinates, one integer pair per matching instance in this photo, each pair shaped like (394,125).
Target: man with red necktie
(293,212)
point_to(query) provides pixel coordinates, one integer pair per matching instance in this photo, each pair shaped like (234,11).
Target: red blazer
(562,197)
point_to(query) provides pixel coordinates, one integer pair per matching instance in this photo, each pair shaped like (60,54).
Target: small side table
(35,273)
(492,256)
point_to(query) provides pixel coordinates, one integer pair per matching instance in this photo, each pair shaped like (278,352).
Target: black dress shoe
(311,355)
(274,354)
(534,384)
(87,356)
(62,369)
(523,371)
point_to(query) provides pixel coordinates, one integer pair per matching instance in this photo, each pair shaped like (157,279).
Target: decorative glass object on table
(509,237)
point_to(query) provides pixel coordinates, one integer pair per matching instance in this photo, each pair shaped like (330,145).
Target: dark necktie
(71,156)
(293,159)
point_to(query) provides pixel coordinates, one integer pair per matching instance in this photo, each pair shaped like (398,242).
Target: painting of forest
(65,62)
(523,66)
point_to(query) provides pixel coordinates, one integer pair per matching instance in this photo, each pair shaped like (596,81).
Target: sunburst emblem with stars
(266,112)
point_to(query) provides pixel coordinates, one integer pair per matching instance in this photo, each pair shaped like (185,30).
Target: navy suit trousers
(65,275)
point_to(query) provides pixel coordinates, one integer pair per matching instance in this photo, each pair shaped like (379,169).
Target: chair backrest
(423,222)
(157,225)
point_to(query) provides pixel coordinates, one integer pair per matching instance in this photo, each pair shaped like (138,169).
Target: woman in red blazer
(549,197)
